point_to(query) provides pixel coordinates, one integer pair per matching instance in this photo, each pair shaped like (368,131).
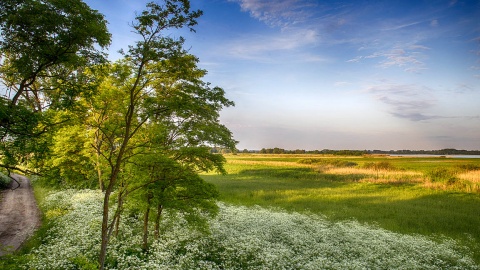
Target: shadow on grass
(303,174)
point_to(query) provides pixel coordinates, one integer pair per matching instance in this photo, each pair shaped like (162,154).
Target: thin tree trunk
(103,247)
(119,208)
(145,223)
(97,153)
(99,174)
(157,220)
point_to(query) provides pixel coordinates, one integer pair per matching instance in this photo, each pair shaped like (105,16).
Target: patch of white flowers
(239,238)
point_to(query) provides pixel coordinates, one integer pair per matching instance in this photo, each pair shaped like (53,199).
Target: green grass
(420,206)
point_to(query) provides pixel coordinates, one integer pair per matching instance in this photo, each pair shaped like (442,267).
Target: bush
(4,181)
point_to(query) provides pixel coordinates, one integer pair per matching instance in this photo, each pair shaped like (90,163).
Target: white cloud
(408,57)
(398,27)
(260,47)
(279,13)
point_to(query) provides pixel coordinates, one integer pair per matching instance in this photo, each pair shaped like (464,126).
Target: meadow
(285,212)
(430,196)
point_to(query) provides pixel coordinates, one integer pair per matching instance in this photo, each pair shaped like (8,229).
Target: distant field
(429,196)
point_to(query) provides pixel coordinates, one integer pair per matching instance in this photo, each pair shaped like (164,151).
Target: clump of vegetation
(4,181)
(442,175)
(338,163)
(379,166)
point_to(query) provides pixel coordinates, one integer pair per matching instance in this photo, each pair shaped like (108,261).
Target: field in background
(429,196)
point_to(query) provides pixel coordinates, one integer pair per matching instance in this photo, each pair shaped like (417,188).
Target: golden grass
(469,181)
(472,176)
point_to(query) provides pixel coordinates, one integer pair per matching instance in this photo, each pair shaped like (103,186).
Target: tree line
(277,150)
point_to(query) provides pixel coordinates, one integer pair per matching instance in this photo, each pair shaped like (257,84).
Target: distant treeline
(447,151)
(277,150)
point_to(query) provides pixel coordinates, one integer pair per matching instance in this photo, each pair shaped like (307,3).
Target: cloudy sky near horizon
(308,74)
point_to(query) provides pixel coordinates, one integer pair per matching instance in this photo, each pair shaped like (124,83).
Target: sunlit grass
(404,198)
(472,176)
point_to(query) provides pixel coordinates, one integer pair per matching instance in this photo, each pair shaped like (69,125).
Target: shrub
(4,181)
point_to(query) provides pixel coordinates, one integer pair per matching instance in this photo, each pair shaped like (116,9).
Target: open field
(409,195)
(315,212)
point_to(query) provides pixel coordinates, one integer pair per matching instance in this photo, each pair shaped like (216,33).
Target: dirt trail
(19,215)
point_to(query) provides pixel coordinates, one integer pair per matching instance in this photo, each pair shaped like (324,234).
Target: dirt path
(19,215)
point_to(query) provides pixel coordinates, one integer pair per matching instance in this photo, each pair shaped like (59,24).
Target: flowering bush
(239,238)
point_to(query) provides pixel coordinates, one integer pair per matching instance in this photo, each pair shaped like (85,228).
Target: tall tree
(132,79)
(44,46)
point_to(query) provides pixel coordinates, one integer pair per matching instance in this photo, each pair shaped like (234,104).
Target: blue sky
(311,75)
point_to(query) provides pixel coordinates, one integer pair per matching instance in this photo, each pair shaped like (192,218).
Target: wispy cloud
(408,57)
(279,13)
(401,26)
(405,101)
(265,47)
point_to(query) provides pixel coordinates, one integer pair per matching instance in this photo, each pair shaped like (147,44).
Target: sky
(308,74)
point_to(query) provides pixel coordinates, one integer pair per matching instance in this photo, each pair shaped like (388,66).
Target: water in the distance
(447,156)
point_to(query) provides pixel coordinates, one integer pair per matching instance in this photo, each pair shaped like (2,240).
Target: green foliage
(48,38)
(45,47)
(4,181)
(142,127)
(70,159)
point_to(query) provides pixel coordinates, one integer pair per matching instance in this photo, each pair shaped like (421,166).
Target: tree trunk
(145,223)
(103,247)
(117,220)
(157,221)
(122,194)
(97,152)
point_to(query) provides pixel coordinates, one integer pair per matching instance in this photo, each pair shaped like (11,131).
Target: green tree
(147,84)
(164,183)
(44,46)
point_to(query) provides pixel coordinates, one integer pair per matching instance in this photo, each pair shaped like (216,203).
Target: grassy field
(429,196)
(316,212)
